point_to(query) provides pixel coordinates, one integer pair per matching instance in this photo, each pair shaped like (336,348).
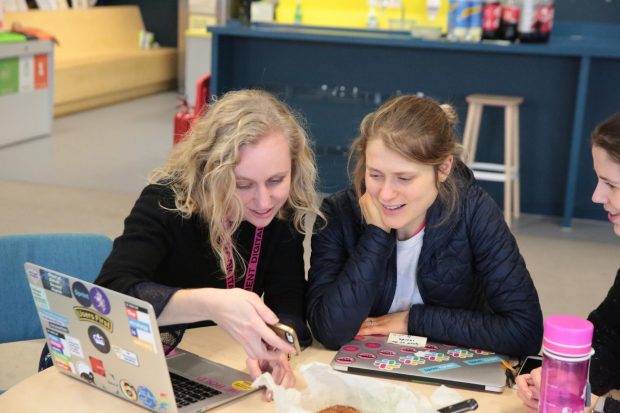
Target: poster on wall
(9,76)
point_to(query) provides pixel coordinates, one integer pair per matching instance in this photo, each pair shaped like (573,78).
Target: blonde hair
(200,169)
(417,128)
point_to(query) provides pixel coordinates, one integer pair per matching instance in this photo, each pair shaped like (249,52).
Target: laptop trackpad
(198,368)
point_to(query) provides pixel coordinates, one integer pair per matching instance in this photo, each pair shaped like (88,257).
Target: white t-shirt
(407,256)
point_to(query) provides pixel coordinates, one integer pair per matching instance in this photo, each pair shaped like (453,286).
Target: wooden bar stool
(507,172)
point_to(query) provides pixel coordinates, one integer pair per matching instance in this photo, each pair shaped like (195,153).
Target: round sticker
(145,396)
(81,293)
(99,339)
(99,300)
(372,344)
(351,349)
(387,353)
(345,360)
(128,390)
(243,385)
(359,338)
(367,356)
(411,350)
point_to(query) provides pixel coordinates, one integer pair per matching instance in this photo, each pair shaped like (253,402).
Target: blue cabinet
(336,76)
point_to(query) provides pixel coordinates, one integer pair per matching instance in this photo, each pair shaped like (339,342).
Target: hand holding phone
(287,334)
(465,406)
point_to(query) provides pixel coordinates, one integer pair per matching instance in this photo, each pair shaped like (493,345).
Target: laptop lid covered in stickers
(111,341)
(430,363)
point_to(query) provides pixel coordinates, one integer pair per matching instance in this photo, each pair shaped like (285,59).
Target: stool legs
(516,164)
(472,128)
(509,171)
(508,163)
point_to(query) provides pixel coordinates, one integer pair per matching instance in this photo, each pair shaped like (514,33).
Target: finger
(264,312)
(258,350)
(522,383)
(253,368)
(268,395)
(272,339)
(289,380)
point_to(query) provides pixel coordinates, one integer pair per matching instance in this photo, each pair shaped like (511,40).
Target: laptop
(111,341)
(430,363)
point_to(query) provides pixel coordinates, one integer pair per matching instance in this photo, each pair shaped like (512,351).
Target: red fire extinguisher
(184,118)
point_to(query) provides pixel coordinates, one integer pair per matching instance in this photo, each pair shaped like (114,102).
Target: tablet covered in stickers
(111,341)
(427,362)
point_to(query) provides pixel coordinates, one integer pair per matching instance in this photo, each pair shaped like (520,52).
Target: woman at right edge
(605,364)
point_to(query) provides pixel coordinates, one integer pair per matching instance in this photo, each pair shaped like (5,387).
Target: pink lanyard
(250,274)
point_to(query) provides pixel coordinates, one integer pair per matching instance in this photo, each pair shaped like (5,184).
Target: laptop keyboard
(188,391)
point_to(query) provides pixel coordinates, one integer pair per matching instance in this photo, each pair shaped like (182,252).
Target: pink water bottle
(567,348)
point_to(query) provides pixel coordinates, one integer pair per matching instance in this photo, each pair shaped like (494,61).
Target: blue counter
(336,76)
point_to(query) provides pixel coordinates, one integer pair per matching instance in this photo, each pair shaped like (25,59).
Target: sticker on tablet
(406,340)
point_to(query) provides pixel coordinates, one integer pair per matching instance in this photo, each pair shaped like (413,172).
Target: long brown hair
(417,128)
(200,169)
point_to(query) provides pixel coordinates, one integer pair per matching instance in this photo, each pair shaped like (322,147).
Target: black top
(160,252)
(473,280)
(605,364)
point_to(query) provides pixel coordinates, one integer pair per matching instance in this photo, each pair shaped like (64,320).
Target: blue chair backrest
(78,255)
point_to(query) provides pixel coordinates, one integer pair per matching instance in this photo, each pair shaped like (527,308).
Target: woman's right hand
(241,313)
(245,317)
(528,389)
(372,213)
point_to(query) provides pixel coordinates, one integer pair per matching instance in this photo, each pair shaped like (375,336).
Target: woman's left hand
(386,324)
(279,368)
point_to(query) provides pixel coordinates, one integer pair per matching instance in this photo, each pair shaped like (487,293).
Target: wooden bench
(98,60)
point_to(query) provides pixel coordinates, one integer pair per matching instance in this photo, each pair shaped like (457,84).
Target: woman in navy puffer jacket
(416,246)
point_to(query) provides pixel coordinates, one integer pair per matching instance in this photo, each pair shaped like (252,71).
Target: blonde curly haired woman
(222,224)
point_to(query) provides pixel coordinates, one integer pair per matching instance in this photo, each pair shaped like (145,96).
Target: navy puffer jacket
(476,289)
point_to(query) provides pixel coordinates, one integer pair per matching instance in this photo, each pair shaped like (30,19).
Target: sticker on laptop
(386,364)
(242,385)
(406,340)
(74,346)
(56,283)
(99,339)
(97,366)
(439,367)
(126,355)
(128,390)
(86,314)
(85,372)
(99,300)
(40,298)
(483,360)
(140,327)
(80,292)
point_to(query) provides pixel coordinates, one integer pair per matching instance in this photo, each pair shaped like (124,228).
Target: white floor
(86,176)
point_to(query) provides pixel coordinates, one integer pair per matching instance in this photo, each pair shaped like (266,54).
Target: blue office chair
(79,255)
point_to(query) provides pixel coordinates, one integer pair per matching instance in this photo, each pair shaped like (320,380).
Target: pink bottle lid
(567,335)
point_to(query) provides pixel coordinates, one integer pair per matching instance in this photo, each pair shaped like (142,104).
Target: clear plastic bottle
(528,30)
(298,13)
(372,22)
(567,348)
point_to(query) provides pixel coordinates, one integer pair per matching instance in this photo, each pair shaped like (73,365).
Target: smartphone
(529,364)
(466,406)
(287,334)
